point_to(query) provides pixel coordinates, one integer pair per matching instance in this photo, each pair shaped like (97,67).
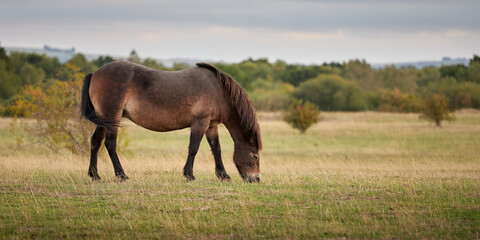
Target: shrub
(332,93)
(54,107)
(396,101)
(270,95)
(436,109)
(302,115)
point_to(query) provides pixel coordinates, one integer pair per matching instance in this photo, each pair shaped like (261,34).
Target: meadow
(353,175)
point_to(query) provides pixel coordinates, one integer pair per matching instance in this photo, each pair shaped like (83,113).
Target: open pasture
(353,175)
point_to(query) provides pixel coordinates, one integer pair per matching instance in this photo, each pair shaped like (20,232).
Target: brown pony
(200,98)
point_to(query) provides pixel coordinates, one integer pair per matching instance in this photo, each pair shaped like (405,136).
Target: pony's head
(247,159)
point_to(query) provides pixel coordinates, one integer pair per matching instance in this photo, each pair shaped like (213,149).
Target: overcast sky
(301,31)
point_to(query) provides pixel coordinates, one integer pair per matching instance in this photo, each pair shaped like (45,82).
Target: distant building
(455,61)
(63,55)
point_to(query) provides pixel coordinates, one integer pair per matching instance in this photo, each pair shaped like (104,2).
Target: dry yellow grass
(341,142)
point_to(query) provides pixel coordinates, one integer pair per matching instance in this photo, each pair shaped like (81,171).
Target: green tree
(50,66)
(4,57)
(302,115)
(332,93)
(405,79)
(253,70)
(296,74)
(102,60)
(133,57)
(152,63)
(474,72)
(436,109)
(362,73)
(459,72)
(180,66)
(80,61)
(31,75)
(460,95)
(428,75)
(475,58)
(8,81)
(270,95)
(278,68)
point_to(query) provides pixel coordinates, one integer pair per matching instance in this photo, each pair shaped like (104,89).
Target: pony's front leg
(214,142)
(198,129)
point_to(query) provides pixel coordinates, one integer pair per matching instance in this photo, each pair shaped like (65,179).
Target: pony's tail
(88,111)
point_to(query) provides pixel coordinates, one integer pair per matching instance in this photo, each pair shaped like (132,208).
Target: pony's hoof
(94,176)
(223,176)
(190,177)
(122,177)
(188,174)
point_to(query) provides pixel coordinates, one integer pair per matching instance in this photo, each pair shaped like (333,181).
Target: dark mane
(240,101)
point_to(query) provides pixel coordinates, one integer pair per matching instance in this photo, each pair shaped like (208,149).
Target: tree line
(273,86)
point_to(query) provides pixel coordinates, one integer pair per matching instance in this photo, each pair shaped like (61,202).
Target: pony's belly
(171,114)
(159,122)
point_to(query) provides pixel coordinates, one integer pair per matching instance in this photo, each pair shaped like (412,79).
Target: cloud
(337,35)
(150,37)
(298,31)
(303,15)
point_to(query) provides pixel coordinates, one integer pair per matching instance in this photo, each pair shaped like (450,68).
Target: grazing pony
(200,98)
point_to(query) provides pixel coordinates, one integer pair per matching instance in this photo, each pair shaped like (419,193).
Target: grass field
(353,175)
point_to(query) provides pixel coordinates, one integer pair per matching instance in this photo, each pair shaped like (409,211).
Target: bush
(332,93)
(302,115)
(270,96)
(54,108)
(460,95)
(396,101)
(436,109)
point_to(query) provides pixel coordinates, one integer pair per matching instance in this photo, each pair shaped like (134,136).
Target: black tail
(88,111)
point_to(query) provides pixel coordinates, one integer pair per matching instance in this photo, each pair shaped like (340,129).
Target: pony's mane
(240,102)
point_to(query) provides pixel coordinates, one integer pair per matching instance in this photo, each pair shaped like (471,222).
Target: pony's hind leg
(111,144)
(198,129)
(96,142)
(213,141)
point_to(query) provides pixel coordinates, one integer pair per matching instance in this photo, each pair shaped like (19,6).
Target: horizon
(91,56)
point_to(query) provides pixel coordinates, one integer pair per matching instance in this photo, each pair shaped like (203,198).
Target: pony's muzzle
(252,178)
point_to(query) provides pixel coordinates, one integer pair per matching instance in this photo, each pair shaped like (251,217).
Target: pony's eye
(255,156)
